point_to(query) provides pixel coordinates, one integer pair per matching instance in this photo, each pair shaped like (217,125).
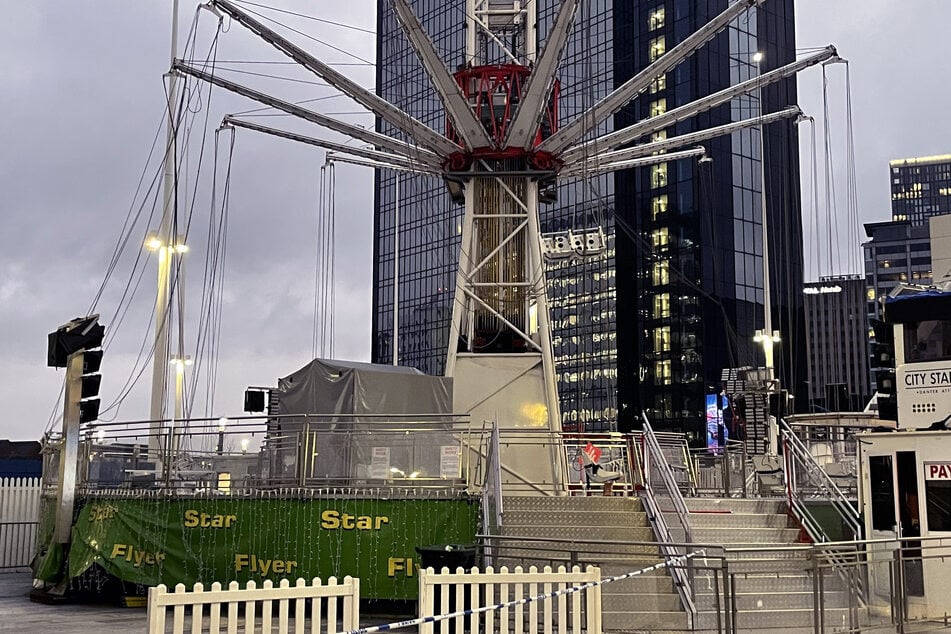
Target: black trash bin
(449,555)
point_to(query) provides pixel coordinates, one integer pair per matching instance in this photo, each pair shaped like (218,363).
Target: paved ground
(19,614)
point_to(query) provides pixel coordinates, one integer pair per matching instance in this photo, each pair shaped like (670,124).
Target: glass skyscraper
(648,324)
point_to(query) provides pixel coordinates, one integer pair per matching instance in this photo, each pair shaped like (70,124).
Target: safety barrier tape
(498,606)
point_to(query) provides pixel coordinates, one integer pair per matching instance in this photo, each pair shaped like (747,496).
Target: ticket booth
(904,494)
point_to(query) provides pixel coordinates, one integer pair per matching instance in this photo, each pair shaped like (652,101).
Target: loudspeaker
(254,401)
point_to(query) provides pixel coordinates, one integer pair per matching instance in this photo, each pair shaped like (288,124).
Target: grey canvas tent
(330,387)
(332,416)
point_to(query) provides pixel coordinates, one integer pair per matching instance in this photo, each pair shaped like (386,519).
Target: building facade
(837,331)
(921,188)
(648,324)
(896,252)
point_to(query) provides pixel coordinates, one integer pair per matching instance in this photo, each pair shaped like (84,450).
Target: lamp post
(222,424)
(767,336)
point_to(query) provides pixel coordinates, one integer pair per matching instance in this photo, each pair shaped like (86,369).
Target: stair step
(639,621)
(767,618)
(567,503)
(575,517)
(640,602)
(739,520)
(769,506)
(581,533)
(749,535)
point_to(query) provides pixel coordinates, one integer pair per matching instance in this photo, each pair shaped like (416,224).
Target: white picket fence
(19,510)
(306,608)
(520,602)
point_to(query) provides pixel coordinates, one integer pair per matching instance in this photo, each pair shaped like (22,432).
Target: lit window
(659,175)
(660,135)
(870,294)
(660,237)
(659,205)
(661,273)
(656,48)
(662,372)
(656,18)
(662,339)
(658,107)
(659,84)
(661,305)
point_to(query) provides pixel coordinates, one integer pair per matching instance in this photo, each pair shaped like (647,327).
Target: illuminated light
(537,413)
(152,243)
(244,444)
(758,57)
(810,290)
(222,423)
(180,248)
(414,474)
(830,289)
(100,434)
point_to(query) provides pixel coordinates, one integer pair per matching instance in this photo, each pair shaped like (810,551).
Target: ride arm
(464,121)
(590,119)
(582,170)
(599,162)
(661,121)
(375,139)
(415,129)
(393,160)
(343,158)
(535,96)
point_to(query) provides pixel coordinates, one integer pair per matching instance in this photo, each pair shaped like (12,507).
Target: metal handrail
(795,452)
(656,462)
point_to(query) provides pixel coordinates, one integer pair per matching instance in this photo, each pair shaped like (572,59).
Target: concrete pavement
(19,614)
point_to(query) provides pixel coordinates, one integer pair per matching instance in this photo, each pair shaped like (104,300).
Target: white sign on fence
(380,463)
(449,461)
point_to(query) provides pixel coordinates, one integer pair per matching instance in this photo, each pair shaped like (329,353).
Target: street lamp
(165,248)
(761,335)
(222,424)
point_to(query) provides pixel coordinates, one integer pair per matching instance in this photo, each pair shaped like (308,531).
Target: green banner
(151,541)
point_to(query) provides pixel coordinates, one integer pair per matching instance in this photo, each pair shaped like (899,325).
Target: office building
(896,252)
(837,332)
(921,188)
(648,324)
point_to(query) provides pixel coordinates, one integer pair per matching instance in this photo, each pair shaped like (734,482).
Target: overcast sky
(81,99)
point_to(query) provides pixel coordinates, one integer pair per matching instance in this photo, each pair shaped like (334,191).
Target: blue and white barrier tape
(441,617)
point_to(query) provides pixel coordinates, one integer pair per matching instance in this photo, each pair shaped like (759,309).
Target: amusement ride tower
(501,152)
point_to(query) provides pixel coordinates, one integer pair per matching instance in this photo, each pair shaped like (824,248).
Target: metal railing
(807,480)
(724,472)
(763,588)
(202,456)
(661,489)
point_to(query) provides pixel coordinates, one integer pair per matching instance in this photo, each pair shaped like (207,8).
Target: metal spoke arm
(343,158)
(521,132)
(467,126)
(590,119)
(364,153)
(672,143)
(602,168)
(421,133)
(375,139)
(666,119)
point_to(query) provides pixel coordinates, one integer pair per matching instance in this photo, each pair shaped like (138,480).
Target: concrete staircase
(772,590)
(643,603)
